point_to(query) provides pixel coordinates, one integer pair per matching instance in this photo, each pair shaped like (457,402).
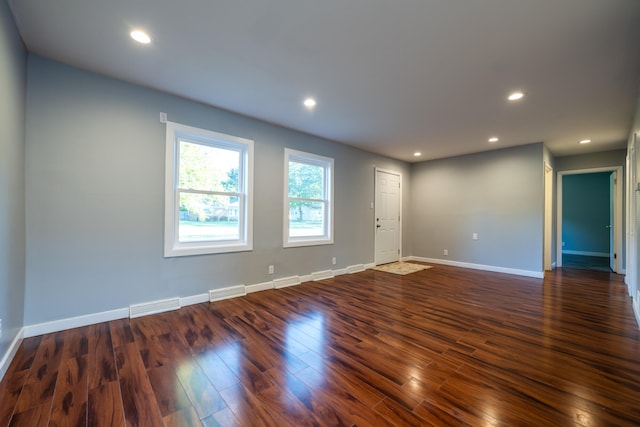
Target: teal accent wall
(585,212)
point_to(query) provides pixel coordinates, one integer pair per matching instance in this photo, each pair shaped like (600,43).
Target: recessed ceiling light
(309,103)
(514,96)
(417,154)
(493,139)
(584,141)
(140,37)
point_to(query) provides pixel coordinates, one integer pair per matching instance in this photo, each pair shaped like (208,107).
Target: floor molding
(518,272)
(11,352)
(75,322)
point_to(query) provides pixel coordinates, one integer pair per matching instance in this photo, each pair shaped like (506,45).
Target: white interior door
(387,217)
(612,249)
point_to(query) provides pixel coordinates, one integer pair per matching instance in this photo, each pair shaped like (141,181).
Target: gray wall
(95,197)
(591,160)
(585,212)
(497,194)
(13,60)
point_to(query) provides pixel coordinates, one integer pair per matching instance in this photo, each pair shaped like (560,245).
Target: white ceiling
(392,77)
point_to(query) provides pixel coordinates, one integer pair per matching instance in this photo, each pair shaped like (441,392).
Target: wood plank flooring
(444,346)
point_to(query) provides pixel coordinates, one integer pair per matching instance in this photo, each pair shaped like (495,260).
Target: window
(208,192)
(308,218)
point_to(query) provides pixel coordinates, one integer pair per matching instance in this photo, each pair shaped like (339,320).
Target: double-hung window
(308,202)
(208,192)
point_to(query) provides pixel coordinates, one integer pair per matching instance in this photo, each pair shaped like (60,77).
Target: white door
(387,217)
(612,249)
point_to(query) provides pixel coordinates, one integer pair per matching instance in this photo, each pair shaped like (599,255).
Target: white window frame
(328,164)
(172,246)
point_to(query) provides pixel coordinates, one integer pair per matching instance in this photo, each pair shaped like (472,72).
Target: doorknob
(607,226)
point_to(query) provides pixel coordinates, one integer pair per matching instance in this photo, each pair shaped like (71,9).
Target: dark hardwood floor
(444,346)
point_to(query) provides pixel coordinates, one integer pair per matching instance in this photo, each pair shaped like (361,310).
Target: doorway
(387,216)
(589,225)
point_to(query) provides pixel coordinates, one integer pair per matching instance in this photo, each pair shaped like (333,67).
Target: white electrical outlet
(446,252)
(475,236)
(271,270)
(333,260)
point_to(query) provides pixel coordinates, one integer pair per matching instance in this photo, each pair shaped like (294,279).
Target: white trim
(617,220)
(264,286)
(75,322)
(194,299)
(321,275)
(340,272)
(174,248)
(518,272)
(370,265)
(154,307)
(636,310)
(600,254)
(284,282)
(548,217)
(226,293)
(328,164)
(123,313)
(356,268)
(11,352)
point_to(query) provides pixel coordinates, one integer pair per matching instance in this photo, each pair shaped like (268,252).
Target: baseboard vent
(355,268)
(226,293)
(153,307)
(286,281)
(321,275)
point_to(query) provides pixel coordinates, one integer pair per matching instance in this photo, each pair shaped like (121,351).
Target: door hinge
(615,256)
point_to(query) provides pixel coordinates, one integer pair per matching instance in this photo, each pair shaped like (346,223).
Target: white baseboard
(357,268)
(123,313)
(636,311)
(527,273)
(340,272)
(286,282)
(264,286)
(369,266)
(75,322)
(587,253)
(194,299)
(11,352)
(321,275)
(154,307)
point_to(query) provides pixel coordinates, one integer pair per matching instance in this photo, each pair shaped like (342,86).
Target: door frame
(617,221)
(375,205)
(548,263)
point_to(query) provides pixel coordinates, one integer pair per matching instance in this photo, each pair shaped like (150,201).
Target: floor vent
(286,281)
(355,268)
(226,293)
(153,307)
(321,275)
